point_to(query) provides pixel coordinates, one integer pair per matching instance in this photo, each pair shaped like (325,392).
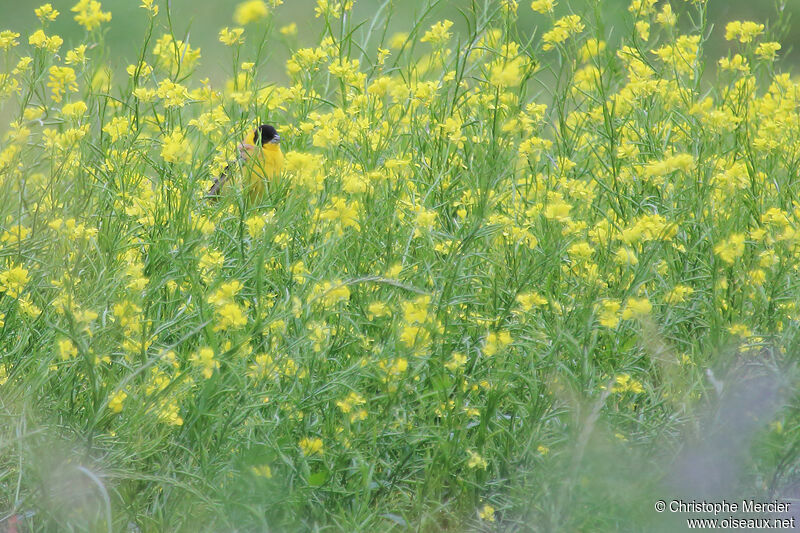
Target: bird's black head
(266,133)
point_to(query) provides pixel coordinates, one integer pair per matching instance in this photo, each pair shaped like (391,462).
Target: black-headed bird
(261,160)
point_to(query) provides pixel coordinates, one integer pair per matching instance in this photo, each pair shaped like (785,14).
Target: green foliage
(504,279)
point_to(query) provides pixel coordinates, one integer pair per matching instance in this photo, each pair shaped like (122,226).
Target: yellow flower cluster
(744,32)
(562,30)
(89,14)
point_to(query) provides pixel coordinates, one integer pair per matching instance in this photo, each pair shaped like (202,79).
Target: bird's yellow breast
(263,168)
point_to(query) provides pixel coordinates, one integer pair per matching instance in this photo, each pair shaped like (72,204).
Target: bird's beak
(276,139)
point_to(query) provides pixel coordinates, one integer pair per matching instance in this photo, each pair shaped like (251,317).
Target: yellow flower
(67,350)
(457,360)
(636,308)
(289,30)
(311,446)
(580,250)
(150,6)
(591,48)
(262,368)
(476,461)
(330,293)
(204,225)
(27,308)
(736,63)
(731,248)
(306,168)
(352,400)
(248,12)
(173,94)
(89,14)
(230,37)
(678,294)
(486,513)
(377,310)
(173,53)
(425,219)
(506,73)
(13,281)
(118,127)
(452,128)
(261,471)
(347,71)
(176,149)
(643,29)
(229,316)
(543,6)
(62,79)
(626,256)
(115,401)
(204,358)
(768,51)
(393,272)
(144,94)
(438,34)
(412,335)
(744,32)
(510,6)
(682,56)
(299,272)
(209,263)
(557,209)
(624,383)
(666,17)
(398,40)
(45,12)
(75,109)
(127,315)
(741,330)
(40,40)
(608,313)
(255,225)
(8,39)
(562,29)
(33,113)
(329,136)
(495,342)
(168,413)
(76,55)
(670,164)
(143,67)
(527,300)
(416,311)
(342,212)
(542,449)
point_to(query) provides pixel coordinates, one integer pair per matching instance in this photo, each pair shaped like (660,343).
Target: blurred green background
(202,21)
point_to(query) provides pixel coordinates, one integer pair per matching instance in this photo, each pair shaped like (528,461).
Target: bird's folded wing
(213,192)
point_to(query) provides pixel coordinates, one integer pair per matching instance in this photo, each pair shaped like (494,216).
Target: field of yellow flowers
(507,277)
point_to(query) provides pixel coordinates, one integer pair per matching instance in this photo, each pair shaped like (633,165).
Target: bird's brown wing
(213,192)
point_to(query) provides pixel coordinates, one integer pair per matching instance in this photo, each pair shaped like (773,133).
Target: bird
(261,160)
